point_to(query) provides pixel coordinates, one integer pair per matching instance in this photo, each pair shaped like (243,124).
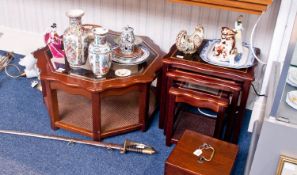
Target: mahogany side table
(98,108)
(182,161)
(193,63)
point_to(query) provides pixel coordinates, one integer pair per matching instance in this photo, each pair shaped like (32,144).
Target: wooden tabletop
(147,74)
(196,64)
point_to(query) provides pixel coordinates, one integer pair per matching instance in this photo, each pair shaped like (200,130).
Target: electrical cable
(5,63)
(260,95)
(252,38)
(17,68)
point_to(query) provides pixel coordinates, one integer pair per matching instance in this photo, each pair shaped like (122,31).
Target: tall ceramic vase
(100,54)
(75,40)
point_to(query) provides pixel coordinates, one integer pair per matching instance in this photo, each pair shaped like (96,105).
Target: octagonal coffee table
(98,108)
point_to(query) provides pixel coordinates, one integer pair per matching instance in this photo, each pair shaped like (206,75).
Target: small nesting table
(193,63)
(98,108)
(182,161)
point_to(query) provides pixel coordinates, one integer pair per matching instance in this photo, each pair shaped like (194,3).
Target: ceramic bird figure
(189,44)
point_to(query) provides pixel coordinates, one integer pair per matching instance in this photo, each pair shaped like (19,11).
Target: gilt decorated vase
(100,53)
(75,39)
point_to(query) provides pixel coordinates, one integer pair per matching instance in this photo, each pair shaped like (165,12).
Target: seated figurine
(225,50)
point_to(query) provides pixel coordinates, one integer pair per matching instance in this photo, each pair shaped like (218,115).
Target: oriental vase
(75,40)
(100,53)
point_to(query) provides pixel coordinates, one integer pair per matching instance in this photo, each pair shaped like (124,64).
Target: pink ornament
(54,42)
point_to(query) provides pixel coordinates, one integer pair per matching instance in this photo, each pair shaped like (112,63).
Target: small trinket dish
(292,77)
(292,99)
(123,72)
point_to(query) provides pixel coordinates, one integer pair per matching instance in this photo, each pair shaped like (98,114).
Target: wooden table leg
(163,97)
(239,118)
(165,106)
(43,89)
(144,97)
(169,119)
(231,117)
(219,123)
(159,85)
(96,114)
(52,104)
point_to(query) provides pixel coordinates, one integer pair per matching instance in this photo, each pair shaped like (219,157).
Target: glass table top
(136,69)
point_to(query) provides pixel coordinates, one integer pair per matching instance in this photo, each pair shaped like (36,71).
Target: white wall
(277,138)
(159,19)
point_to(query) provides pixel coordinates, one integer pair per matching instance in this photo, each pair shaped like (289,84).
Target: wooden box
(182,161)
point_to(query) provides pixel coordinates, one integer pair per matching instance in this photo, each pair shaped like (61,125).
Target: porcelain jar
(75,40)
(127,41)
(100,53)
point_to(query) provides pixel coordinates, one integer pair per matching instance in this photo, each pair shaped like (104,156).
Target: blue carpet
(22,109)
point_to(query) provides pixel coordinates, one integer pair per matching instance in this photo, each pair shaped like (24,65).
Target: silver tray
(133,61)
(244,60)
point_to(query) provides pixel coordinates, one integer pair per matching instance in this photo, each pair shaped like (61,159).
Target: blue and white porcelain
(241,60)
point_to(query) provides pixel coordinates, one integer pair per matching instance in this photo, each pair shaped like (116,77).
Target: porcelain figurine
(238,36)
(225,50)
(54,42)
(75,40)
(127,41)
(100,53)
(189,44)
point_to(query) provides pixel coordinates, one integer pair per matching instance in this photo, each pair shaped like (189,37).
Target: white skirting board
(258,111)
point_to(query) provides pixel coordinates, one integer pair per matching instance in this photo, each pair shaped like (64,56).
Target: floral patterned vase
(75,40)
(100,53)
